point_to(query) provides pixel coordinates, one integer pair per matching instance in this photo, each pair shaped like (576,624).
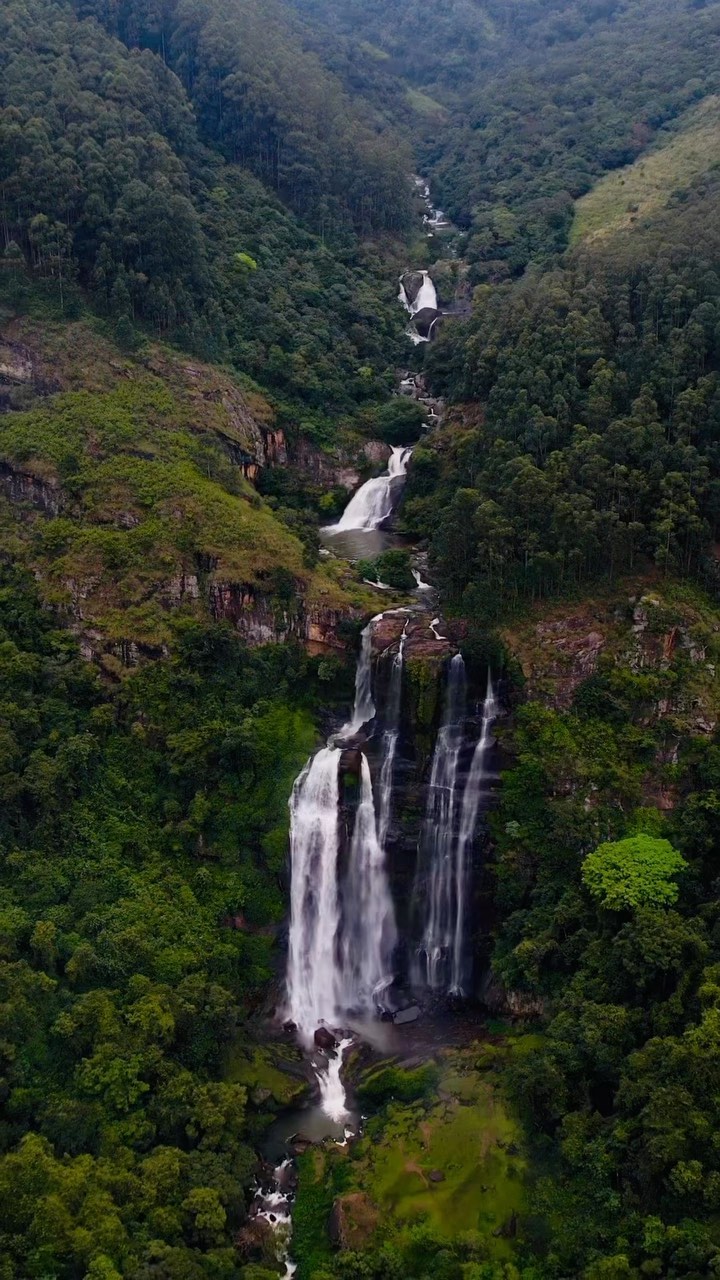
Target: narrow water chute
(435,886)
(475,788)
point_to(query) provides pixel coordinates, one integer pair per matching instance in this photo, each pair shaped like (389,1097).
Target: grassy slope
(150,496)
(623,198)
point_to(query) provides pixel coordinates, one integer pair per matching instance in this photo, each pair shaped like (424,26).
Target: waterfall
(342,934)
(421,586)
(390,739)
(426,297)
(438,834)
(373,502)
(474,787)
(332,1090)
(315,913)
(369,933)
(364,707)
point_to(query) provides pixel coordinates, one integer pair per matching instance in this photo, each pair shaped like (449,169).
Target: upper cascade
(419,297)
(373,503)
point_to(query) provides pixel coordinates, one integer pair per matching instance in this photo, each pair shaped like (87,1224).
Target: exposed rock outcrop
(261,620)
(23,487)
(353,1220)
(343,468)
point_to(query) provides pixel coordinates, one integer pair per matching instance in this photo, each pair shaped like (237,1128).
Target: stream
(343,986)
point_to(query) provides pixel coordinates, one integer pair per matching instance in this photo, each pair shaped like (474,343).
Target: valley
(359,640)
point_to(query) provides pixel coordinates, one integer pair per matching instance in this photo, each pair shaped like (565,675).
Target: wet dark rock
(287,1179)
(425,319)
(412,282)
(299,1144)
(405,1016)
(324,1039)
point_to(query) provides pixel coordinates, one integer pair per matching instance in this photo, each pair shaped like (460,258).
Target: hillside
(630,195)
(208,780)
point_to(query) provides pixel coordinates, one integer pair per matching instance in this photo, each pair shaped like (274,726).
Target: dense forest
(204,210)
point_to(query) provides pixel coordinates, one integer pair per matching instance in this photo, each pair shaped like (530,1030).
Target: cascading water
(342,935)
(315,911)
(475,786)
(364,706)
(373,503)
(390,738)
(437,838)
(332,1089)
(369,934)
(425,298)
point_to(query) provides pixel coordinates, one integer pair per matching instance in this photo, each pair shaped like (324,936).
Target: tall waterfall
(437,838)
(474,787)
(342,930)
(315,912)
(390,739)
(373,502)
(369,933)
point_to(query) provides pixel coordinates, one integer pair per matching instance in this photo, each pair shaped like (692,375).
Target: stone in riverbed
(405,1016)
(324,1039)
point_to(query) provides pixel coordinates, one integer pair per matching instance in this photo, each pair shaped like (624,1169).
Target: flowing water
(369,934)
(314,904)
(342,931)
(390,739)
(435,860)
(364,705)
(333,1099)
(477,782)
(373,503)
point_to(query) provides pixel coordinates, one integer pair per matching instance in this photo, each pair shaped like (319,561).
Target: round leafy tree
(636,872)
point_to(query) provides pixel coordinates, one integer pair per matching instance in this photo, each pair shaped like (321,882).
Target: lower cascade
(342,932)
(436,879)
(343,948)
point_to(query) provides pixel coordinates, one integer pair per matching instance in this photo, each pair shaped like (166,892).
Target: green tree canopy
(636,872)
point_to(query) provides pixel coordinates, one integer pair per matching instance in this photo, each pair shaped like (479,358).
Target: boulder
(436,1175)
(405,1016)
(325,1040)
(412,282)
(425,319)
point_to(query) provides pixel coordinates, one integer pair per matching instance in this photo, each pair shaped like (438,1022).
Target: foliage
(142,839)
(635,872)
(389,1083)
(391,567)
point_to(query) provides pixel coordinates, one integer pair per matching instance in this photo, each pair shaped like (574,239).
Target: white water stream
(332,1090)
(438,834)
(342,932)
(477,781)
(373,503)
(390,738)
(314,905)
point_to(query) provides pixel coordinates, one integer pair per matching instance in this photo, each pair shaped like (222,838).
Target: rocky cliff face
(345,467)
(649,628)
